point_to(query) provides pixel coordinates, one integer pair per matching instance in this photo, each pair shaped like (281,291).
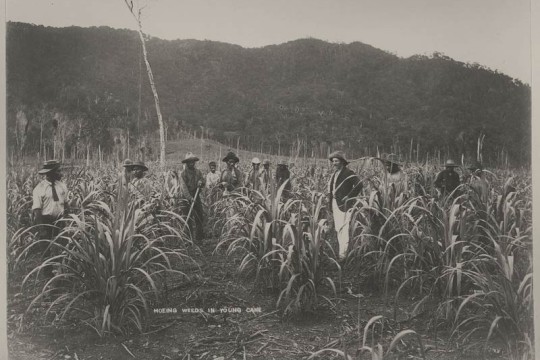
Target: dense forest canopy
(78,84)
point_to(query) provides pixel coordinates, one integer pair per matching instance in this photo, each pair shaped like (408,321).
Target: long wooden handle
(193,204)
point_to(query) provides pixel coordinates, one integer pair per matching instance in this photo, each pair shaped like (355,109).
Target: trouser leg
(48,232)
(341,224)
(198,220)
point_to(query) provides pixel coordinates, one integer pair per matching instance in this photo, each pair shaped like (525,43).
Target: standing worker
(343,188)
(478,183)
(49,204)
(49,199)
(253,178)
(140,186)
(266,176)
(212,178)
(191,183)
(283,174)
(126,174)
(395,177)
(231,178)
(447,180)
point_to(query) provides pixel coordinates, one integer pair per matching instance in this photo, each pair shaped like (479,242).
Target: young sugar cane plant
(105,272)
(501,304)
(302,271)
(500,307)
(372,344)
(257,234)
(379,234)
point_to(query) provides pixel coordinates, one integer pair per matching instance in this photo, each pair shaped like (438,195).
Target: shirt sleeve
(36,198)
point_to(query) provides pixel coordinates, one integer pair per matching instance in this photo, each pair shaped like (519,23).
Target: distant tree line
(75,87)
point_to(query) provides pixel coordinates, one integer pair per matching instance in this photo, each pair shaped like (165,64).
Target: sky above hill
(494,33)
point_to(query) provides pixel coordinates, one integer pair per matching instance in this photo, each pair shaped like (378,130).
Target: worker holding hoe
(191,182)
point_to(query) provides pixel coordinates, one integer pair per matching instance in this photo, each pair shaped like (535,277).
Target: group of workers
(190,183)
(50,195)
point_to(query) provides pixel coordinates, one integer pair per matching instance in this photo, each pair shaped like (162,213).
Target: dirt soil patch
(245,324)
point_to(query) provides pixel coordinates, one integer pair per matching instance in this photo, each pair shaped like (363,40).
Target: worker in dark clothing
(447,180)
(191,182)
(283,174)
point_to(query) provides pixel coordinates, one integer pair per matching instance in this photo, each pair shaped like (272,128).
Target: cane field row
(463,263)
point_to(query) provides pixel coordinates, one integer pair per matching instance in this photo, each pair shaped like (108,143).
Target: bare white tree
(137,16)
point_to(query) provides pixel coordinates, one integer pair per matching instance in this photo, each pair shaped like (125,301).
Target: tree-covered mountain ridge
(305,96)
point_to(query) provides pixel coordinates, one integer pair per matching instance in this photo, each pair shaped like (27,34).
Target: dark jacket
(233,182)
(348,187)
(447,181)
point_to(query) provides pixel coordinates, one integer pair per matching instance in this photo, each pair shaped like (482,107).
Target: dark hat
(189,157)
(450,163)
(283,162)
(231,156)
(476,166)
(127,163)
(266,162)
(140,164)
(212,163)
(390,159)
(338,155)
(49,165)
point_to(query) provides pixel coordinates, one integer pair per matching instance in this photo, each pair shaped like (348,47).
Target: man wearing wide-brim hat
(343,189)
(231,178)
(191,183)
(395,178)
(126,174)
(477,182)
(448,180)
(49,199)
(254,175)
(140,186)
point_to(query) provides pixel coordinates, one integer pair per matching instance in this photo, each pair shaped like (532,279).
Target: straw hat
(49,165)
(255,160)
(338,155)
(450,163)
(189,157)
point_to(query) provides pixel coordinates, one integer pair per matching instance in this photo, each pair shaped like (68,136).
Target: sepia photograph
(246,179)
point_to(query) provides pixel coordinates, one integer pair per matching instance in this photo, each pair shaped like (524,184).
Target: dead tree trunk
(137,18)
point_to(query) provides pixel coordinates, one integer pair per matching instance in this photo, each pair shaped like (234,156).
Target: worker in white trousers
(343,189)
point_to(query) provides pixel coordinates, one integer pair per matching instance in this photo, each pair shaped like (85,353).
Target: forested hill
(350,96)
